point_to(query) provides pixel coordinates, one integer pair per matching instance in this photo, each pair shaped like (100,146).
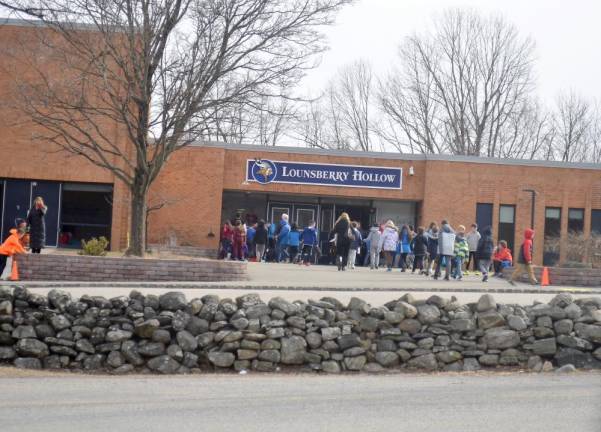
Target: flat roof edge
(22,22)
(398,156)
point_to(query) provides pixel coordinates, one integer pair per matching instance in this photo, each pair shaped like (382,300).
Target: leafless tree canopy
(159,68)
(342,118)
(458,86)
(576,129)
(464,88)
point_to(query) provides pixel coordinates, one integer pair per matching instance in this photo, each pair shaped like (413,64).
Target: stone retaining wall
(565,276)
(169,334)
(54,267)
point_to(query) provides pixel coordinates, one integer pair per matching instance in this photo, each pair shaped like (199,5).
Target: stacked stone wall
(169,334)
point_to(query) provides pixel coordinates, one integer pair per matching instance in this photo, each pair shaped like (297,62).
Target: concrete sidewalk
(302,283)
(289,277)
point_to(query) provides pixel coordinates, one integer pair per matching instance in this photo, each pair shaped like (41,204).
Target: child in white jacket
(388,243)
(373,239)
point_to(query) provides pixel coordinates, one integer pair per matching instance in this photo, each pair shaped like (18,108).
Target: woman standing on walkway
(37,225)
(342,228)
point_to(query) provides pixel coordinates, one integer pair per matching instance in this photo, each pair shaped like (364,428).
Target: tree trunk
(137,243)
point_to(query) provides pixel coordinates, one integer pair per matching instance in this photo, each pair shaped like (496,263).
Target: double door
(300,214)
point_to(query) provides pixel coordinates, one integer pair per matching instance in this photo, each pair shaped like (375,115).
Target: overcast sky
(567,35)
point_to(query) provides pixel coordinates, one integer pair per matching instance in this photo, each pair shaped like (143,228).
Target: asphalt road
(444,402)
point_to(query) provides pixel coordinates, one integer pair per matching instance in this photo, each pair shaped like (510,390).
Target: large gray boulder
(293,350)
(151,349)
(582,360)
(163,364)
(590,332)
(449,356)
(427,361)
(387,358)
(408,310)
(463,324)
(486,303)
(284,305)
(544,347)
(355,363)
(24,332)
(32,348)
(172,301)
(118,336)
(490,319)
(7,353)
(221,359)
(516,323)
(27,363)
(497,338)
(59,299)
(428,314)
(186,341)
(146,329)
(349,341)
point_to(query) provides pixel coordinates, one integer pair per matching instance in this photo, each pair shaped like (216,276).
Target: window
(552,234)
(596,222)
(507,225)
(304,216)
(483,215)
(576,220)
(552,222)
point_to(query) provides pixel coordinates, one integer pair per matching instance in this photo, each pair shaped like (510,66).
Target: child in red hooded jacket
(10,248)
(525,259)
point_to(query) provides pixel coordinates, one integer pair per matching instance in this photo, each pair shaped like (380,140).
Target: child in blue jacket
(309,241)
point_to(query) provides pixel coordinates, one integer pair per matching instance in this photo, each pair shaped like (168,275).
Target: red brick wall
(27,158)
(447,190)
(53,267)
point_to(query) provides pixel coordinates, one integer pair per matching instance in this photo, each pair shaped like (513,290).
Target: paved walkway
(321,278)
(301,283)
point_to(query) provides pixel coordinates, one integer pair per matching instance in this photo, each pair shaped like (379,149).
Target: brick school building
(207,183)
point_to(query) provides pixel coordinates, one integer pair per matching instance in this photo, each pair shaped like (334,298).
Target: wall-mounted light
(411,171)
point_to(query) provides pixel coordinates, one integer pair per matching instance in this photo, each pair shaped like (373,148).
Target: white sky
(567,35)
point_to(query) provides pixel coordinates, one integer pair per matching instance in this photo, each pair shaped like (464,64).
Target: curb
(184,286)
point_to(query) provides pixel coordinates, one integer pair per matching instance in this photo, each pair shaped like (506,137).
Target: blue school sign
(265,171)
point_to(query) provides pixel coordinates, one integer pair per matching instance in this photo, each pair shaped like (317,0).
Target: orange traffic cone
(544,279)
(14,274)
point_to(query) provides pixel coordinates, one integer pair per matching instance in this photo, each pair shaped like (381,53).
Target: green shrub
(94,246)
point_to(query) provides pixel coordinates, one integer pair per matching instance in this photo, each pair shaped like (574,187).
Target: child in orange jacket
(502,258)
(11,246)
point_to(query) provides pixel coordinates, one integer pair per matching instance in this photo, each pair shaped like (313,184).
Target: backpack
(350,234)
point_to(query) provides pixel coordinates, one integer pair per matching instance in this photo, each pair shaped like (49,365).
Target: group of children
(427,250)
(281,242)
(438,247)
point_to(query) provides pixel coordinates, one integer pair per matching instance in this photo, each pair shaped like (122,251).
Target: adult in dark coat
(37,225)
(343,240)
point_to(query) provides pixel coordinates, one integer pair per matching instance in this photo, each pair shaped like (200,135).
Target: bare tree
(319,124)
(350,95)
(459,85)
(575,128)
(528,133)
(155,68)
(272,120)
